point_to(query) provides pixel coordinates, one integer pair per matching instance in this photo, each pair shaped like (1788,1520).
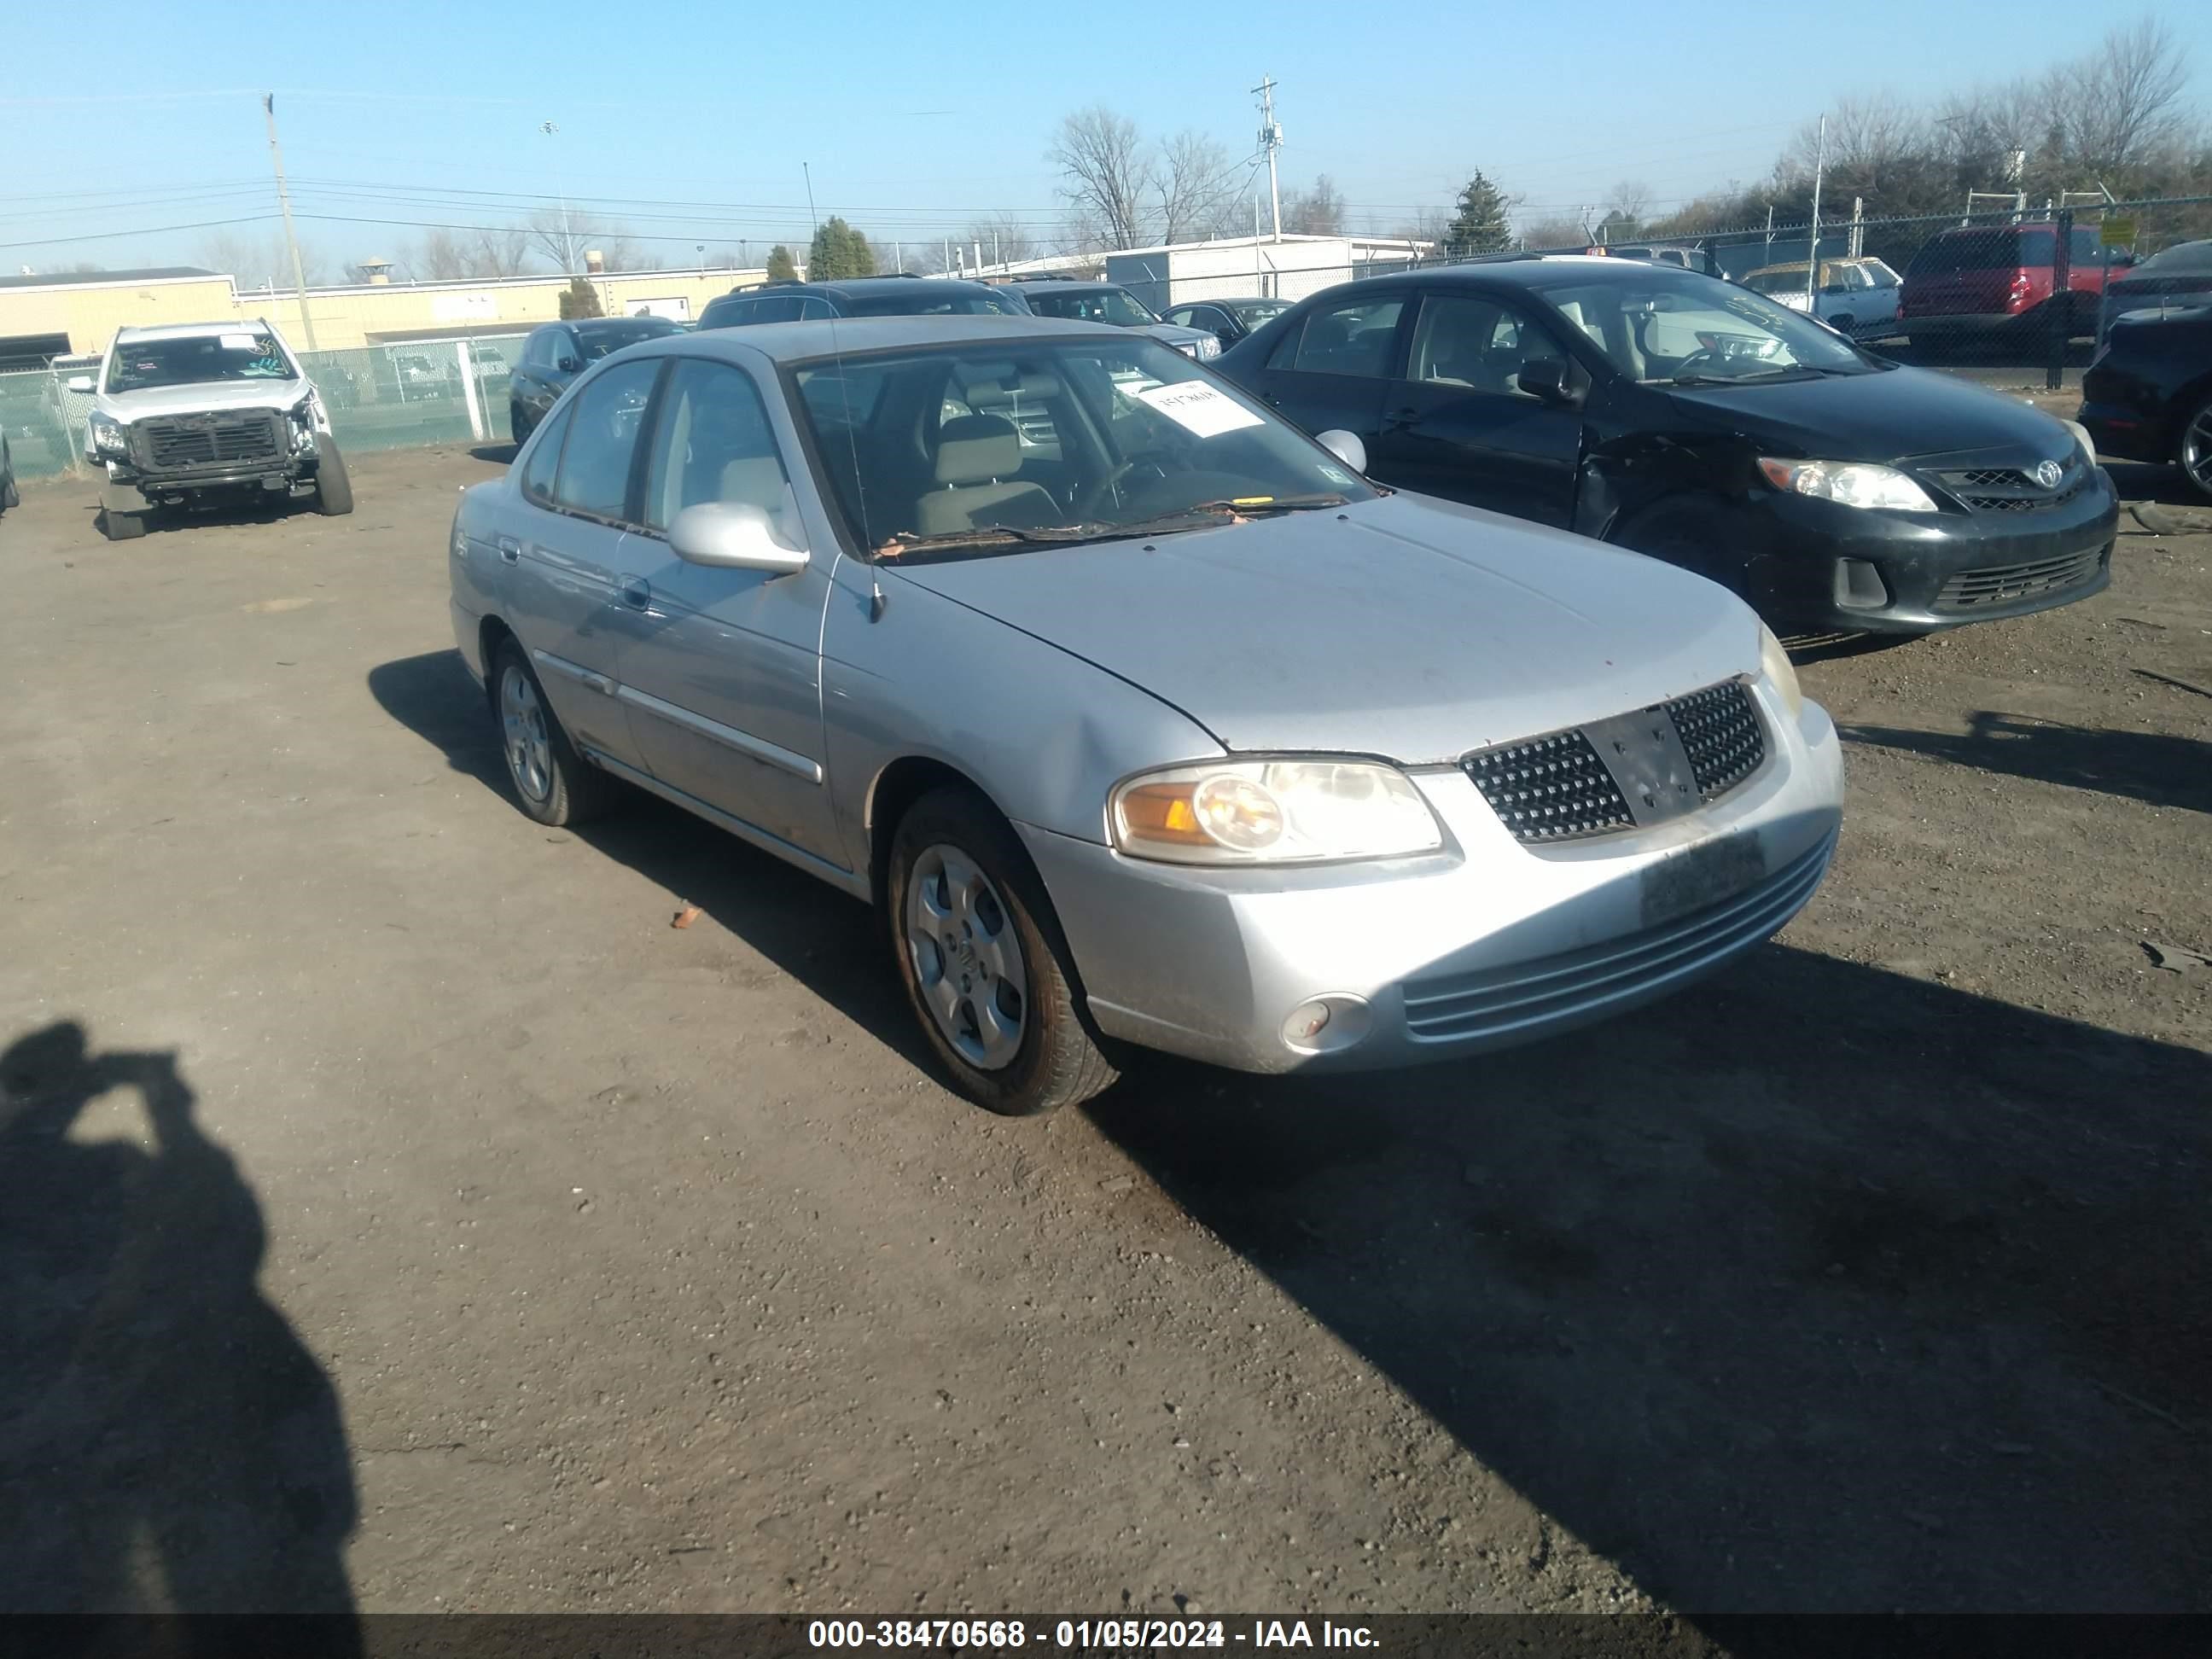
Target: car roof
(616,322)
(192,330)
(787,343)
(1064,282)
(1530,270)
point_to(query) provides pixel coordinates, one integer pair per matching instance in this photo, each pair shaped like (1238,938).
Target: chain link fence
(380,397)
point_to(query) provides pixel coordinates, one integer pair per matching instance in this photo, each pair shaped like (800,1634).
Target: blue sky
(915,120)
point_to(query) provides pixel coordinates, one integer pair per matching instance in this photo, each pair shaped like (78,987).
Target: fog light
(1859,585)
(1327,1024)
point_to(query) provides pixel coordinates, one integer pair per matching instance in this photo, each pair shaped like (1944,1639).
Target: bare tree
(1626,202)
(1106,173)
(2121,104)
(1316,212)
(999,237)
(1195,179)
(1555,230)
(499,252)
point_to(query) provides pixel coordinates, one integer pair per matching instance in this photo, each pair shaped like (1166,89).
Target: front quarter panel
(1043,734)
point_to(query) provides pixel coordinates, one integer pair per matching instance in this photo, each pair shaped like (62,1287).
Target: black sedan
(2147,396)
(2180,275)
(557,353)
(1227,320)
(1690,419)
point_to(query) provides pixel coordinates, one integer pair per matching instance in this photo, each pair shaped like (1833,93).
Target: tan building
(46,317)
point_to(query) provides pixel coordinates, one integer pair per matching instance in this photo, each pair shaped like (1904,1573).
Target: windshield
(921,301)
(981,446)
(1091,305)
(1253,313)
(598,339)
(1776,282)
(1669,326)
(197,359)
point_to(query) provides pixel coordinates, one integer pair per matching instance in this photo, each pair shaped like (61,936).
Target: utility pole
(568,240)
(1271,140)
(898,257)
(1858,226)
(995,259)
(1812,253)
(284,206)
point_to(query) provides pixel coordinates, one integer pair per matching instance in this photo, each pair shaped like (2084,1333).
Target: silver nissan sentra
(1139,713)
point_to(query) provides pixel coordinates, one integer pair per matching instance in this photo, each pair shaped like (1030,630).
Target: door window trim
(633,483)
(1394,366)
(649,435)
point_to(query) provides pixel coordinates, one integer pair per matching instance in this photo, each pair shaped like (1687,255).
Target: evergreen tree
(1482,225)
(839,251)
(581,298)
(781,266)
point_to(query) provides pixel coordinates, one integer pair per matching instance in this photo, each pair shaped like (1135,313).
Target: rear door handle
(509,549)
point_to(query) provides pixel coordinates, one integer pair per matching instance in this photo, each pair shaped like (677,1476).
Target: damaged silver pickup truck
(197,412)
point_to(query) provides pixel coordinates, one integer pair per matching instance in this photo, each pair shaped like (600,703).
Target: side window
(713,443)
(595,463)
(775,308)
(538,471)
(1468,341)
(812,307)
(1354,338)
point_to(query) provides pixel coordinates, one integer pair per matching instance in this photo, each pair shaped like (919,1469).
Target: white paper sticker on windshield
(1201,408)
(236,342)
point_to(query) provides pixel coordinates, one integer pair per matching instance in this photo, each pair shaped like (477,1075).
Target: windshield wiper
(902,544)
(1740,379)
(1196,516)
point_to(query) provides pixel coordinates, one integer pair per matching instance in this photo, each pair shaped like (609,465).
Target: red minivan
(1987,279)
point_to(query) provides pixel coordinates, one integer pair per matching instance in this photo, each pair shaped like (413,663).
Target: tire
(2193,454)
(968,918)
(333,487)
(10,495)
(1682,530)
(517,423)
(122,527)
(552,782)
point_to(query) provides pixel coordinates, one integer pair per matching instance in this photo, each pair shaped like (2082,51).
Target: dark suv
(904,295)
(1699,423)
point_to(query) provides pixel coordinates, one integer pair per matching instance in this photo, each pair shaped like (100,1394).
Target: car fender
(1045,735)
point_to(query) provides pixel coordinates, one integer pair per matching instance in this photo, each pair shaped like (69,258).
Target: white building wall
(1288,270)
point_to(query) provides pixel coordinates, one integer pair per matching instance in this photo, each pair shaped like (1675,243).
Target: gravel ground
(418,1217)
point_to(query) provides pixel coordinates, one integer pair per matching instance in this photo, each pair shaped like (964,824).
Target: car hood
(200,398)
(1407,628)
(1892,414)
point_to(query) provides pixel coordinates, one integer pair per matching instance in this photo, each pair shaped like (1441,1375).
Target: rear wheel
(333,487)
(2195,452)
(983,961)
(554,783)
(517,423)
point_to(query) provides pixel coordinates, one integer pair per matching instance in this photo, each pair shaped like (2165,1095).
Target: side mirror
(1545,378)
(80,383)
(732,536)
(1345,447)
(569,366)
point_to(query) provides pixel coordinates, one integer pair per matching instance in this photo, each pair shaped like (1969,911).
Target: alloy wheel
(2196,450)
(967,958)
(529,743)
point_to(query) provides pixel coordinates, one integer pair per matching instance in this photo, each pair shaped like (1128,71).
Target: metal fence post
(469,391)
(2062,301)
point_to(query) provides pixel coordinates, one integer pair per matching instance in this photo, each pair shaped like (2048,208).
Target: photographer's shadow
(167,1441)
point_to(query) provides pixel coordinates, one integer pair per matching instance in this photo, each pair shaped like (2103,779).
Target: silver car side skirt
(729,737)
(838,877)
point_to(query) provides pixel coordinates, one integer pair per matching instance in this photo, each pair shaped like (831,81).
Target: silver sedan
(1141,715)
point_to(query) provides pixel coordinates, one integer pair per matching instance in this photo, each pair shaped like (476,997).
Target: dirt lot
(602,1265)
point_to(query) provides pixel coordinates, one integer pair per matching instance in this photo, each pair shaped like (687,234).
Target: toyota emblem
(2047,474)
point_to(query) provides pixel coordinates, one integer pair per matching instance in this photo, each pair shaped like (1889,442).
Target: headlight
(1282,811)
(110,436)
(1774,664)
(1209,347)
(2082,437)
(1855,484)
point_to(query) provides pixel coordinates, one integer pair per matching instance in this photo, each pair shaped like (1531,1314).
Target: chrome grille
(2010,490)
(1559,787)
(1549,789)
(203,440)
(1498,1003)
(2003,584)
(2028,503)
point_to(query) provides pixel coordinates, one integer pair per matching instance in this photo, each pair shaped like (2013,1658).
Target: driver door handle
(635,593)
(509,549)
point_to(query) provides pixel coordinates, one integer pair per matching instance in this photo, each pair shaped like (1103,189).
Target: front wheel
(2195,452)
(984,964)
(517,423)
(333,487)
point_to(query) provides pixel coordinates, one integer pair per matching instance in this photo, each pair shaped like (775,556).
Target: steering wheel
(1701,354)
(1159,459)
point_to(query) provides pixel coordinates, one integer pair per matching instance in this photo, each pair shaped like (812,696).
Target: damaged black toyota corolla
(1693,419)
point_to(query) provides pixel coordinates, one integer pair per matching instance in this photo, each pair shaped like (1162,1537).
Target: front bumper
(1484,945)
(1826,567)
